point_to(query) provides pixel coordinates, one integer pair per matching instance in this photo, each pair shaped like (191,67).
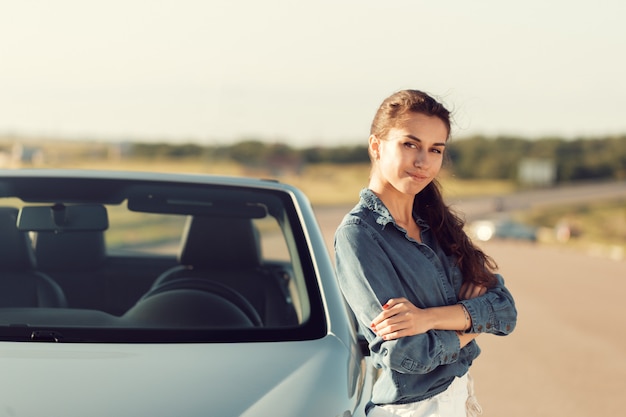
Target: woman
(420,289)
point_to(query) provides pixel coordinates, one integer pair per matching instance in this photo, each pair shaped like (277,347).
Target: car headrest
(74,250)
(16,252)
(219,242)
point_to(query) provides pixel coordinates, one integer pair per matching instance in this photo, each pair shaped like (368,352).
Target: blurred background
(287,90)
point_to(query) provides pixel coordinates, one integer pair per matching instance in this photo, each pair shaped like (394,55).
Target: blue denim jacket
(376,260)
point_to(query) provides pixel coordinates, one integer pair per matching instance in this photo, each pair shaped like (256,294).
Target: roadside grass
(180,165)
(455,188)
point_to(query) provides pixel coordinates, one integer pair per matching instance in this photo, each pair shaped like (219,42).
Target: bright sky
(309,72)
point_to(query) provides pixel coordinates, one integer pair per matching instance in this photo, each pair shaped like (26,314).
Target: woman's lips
(419,177)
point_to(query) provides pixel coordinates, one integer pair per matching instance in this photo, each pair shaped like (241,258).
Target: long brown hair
(476,266)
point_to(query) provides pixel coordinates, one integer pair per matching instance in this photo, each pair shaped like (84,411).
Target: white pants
(457,401)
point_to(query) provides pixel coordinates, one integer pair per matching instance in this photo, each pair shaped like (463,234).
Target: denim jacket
(376,260)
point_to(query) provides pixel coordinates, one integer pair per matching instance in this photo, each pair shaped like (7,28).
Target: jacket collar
(383,216)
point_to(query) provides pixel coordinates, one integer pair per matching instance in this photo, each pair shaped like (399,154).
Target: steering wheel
(211,287)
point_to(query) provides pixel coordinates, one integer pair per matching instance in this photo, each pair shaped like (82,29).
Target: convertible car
(151,294)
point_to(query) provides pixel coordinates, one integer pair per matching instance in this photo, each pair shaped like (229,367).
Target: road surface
(525,200)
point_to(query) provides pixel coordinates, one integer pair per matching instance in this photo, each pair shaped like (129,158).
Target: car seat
(226,250)
(21,285)
(73,259)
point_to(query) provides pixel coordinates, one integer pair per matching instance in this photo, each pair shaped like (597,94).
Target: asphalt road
(567,356)
(524,200)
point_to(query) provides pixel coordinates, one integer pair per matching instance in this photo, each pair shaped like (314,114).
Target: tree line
(476,157)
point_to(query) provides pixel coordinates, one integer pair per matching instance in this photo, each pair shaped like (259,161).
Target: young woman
(420,289)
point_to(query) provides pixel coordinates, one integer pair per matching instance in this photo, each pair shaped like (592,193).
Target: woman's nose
(421,160)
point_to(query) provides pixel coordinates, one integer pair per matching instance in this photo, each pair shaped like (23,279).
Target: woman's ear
(374,147)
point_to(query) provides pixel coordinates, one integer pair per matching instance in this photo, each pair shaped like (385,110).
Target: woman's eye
(410,145)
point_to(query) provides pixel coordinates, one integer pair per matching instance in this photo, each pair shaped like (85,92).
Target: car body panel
(319,371)
(252,379)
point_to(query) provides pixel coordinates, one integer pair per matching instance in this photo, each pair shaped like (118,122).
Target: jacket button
(489,325)
(480,328)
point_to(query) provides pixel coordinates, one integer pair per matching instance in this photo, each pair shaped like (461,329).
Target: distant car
(485,230)
(144,294)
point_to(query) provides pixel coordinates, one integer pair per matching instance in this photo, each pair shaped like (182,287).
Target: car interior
(122,261)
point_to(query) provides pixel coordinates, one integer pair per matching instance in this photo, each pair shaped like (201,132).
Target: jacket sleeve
(367,280)
(493,312)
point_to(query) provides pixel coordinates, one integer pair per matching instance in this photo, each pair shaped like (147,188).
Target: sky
(307,73)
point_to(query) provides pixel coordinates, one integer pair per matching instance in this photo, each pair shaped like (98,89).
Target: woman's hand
(470,290)
(401,318)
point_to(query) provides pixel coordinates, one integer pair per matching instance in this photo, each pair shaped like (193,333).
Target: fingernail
(385,306)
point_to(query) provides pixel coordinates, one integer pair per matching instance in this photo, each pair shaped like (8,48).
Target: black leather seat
(226,250)
(21,285)
(70,251)
(73,258)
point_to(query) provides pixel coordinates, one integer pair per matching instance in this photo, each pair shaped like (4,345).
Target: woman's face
(411,155)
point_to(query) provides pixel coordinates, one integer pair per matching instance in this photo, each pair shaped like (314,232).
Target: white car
(145,294)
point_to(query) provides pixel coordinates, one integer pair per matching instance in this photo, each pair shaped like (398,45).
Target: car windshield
(103,260)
